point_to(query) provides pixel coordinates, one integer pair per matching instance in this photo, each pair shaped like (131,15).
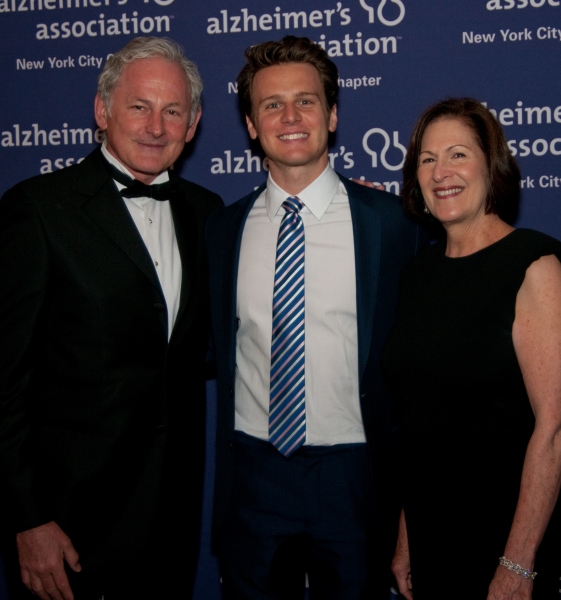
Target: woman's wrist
(516,568)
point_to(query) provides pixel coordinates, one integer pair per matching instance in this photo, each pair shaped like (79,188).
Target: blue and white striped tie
(287,409)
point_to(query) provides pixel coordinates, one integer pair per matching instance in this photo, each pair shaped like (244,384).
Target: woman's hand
(507,585)
(401,566)
(369,184)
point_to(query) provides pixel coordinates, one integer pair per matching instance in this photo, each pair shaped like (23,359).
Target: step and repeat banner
(395,57)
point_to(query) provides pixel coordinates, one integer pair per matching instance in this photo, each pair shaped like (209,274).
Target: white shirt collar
(161,178)
(316,197)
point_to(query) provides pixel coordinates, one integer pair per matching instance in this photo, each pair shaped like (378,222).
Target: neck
(294,179)
(463,239)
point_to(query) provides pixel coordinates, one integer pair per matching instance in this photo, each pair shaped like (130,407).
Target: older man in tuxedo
(103,313)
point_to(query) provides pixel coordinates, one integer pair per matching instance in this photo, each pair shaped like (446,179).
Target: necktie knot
(292,204)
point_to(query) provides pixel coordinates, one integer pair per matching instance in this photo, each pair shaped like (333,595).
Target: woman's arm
(537,341)
(401,565)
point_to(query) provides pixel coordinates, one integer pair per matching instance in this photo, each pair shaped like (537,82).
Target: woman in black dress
(475,363)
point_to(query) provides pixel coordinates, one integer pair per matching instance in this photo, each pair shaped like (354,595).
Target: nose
(290,114)
(441,171)
(156,124)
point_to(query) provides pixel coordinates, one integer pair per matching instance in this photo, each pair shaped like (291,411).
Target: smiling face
(452,172)
(148,121)
(292,121)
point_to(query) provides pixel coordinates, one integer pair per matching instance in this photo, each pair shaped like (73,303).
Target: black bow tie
(136,189)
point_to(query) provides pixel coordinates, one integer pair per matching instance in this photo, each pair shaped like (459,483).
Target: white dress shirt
(333,413)
(154,222)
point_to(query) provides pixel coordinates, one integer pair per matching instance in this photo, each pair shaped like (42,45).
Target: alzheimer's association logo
(388,15)
(369,146)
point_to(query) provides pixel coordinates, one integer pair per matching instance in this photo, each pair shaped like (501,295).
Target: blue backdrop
(395,57)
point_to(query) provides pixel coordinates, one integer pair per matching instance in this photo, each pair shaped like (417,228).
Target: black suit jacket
(101,419)
(384,240)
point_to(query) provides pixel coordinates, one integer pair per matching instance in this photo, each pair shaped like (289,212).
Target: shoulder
(47,192)
(544,272)
(538,301)
(200,197)
(368,202)
(233,211)
(58,185)
(522,249)
(380,211)
(372,197)
(39,185)
(536,243)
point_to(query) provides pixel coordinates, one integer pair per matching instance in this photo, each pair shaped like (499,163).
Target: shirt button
(150,221)
(156,263)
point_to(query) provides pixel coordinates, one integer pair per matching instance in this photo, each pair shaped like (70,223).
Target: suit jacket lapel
(106,208)
(231,266)
(366,232)
(185,224)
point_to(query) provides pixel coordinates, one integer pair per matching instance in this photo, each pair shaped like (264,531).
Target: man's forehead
(157,67)
(144,74)
(301,78)
(294,69)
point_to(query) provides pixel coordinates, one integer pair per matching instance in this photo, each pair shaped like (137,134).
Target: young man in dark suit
(304,278)
(103,313)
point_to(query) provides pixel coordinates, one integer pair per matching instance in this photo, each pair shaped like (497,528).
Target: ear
(333,119)
(101,112)
(193,127)
(251,128)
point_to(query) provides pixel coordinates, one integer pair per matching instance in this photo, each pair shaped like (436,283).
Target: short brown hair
(504,175)
(290,49)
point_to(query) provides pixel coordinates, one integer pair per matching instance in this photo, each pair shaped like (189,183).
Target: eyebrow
(281,96)
(449,148)
(146,101)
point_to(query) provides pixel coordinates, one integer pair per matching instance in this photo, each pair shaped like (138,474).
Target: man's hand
(42,552)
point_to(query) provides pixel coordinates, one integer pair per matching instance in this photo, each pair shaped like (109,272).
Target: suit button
(159,307)
(230,392)
(363,395)
(161,428)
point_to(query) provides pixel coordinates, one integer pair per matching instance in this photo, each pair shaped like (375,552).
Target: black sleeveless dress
(465,417)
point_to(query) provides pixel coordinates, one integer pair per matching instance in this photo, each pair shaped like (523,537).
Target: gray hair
(149,47)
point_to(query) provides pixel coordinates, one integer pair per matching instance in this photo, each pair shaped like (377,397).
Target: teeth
(294,136)
(449,192)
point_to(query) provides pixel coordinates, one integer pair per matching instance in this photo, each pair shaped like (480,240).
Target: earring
(426,210)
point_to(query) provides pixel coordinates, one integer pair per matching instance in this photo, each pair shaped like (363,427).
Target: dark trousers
(311,513)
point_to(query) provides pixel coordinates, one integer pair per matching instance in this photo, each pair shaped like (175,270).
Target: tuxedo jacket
(384,241)
(101,418)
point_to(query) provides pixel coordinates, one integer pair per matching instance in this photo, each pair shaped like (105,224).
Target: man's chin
(144,170)
(298,161)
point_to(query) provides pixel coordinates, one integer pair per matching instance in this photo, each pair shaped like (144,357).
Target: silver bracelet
(508,564)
